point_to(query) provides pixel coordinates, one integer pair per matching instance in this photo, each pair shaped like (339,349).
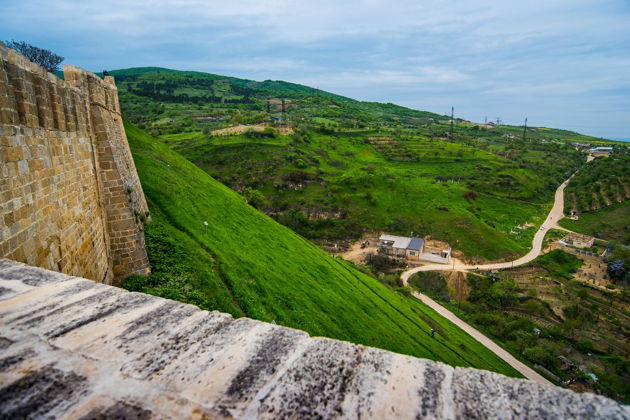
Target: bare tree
(45,58)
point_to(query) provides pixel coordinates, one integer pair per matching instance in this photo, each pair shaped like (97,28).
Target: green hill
(353,167)
(168,100)
(603,182)
(600,191)
(245,263)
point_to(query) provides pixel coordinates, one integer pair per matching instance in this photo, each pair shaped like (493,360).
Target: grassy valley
(245,263)
(333,168)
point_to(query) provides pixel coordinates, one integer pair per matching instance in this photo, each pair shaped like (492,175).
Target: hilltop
(184,95)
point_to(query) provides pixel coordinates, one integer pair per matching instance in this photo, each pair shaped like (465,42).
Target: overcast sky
(561,63)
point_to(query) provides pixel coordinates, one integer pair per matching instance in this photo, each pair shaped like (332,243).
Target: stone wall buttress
(70,196)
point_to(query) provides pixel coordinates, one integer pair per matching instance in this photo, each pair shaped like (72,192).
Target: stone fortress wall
(70,197)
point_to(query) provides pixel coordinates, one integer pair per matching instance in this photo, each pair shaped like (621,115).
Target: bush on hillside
(380,262)
(616,269)
(431,283)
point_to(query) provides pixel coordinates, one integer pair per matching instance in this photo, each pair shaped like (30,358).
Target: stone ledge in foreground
(70,347)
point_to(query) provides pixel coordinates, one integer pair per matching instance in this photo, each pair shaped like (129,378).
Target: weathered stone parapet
(72,348)
(68,184)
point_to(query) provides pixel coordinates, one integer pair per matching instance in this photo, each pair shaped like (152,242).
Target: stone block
(14,154)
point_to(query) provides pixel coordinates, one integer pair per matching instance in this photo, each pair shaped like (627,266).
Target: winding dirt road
(555,214)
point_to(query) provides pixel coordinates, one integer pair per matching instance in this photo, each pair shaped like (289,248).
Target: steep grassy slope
(247,264)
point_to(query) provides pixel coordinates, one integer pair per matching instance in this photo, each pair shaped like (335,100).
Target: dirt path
(357,254)
(525,370)
(556,213)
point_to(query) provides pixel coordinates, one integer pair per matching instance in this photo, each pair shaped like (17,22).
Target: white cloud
(394,50)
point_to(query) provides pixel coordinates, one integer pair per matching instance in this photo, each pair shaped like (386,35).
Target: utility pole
(452,120)
(284,110)
(460,290)
(525,129)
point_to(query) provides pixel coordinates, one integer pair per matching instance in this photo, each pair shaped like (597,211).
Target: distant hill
(212,91)
(145,86)
(351,167)
(245,263)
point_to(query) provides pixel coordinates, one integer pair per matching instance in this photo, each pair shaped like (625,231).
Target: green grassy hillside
(600,191)
(602,182)
(611,223)
(166,101)
(353,167)
(330,187)
(247,264)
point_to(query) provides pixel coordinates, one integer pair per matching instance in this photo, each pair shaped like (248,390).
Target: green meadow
(611,223)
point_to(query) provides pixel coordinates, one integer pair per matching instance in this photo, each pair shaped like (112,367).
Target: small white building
(415,249)
(401,246)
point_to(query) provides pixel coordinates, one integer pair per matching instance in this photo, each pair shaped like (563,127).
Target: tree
(45,58)
(255,198)
(616,269)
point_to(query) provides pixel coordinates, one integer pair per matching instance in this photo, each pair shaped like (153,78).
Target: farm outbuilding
(578,240)
(401,246)
(601,151)
(414,249)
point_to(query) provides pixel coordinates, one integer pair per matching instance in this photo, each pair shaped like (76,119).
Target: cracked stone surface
(73,348)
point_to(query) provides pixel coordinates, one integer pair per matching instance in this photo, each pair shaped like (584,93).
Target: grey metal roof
(400,242)
(403,242)
(415,244)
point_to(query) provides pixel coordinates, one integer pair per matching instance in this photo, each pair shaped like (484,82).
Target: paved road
(555,214)
(525,370)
